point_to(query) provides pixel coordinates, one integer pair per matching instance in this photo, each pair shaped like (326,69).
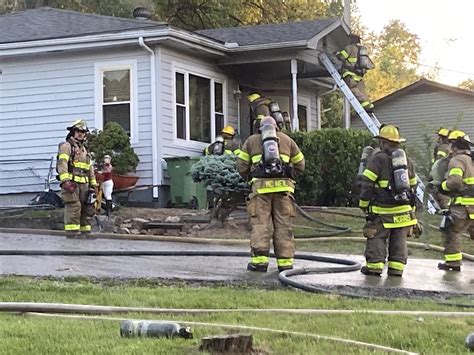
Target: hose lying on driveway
(334,231)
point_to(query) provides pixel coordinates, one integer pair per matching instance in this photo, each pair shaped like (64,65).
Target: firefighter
(261,107)
(441,149)
(355,63)
(459,185)
(387,196)
(226,143)
(270,161)
(77,180)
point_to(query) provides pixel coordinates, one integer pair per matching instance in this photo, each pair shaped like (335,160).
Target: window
(303,117)
(199,104)
(116,96)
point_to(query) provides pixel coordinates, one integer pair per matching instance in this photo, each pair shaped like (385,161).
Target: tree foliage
(467,84)
(395,53)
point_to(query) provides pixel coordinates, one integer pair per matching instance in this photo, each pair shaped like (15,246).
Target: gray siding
(416,113)
(42,95)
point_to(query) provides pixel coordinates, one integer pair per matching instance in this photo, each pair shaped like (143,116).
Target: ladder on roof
(372,123)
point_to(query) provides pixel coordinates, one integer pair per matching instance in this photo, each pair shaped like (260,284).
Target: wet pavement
(421,278)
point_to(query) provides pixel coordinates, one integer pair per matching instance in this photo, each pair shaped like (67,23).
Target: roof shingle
(48,23)
(272,33)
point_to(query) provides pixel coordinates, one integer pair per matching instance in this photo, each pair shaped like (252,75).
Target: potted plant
(114,141)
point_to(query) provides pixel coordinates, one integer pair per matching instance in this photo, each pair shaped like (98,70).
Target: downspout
(154,123)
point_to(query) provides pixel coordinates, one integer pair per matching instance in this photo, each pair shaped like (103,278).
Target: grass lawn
(22,334)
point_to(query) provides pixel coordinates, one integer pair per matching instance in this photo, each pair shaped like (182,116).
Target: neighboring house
(171,89)
(423,107)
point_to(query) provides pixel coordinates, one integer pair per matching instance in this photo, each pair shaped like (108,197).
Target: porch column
(346,109)
(318,112)
(294,86)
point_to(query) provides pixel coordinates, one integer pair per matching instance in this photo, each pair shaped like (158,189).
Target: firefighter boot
(257,267)
(371,272)
(285,267)
(73,235)
(394,272)
(448,267)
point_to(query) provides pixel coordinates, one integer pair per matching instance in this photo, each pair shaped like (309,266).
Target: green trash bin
(183,190)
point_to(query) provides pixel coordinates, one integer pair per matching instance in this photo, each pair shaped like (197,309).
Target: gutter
(154,123)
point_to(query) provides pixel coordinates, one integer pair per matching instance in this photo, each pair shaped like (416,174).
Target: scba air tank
(367,152)
(153,329)
(271,151)
(401,179)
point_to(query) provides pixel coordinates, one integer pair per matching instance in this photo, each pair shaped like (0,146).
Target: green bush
(332,159)
(114,141)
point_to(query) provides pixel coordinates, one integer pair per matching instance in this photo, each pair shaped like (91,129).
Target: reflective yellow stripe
(71,227)
(353,75)
(383,183)
(444,185)
(352,60)
(375,266)
(259,117)
(471,216)
(237,151)
(468,181)
(344,53)
(412,181)
(259,260)
(85,228)
(256,158)
(285,158)
(366,103)
(401,224)
(93,182)
(453,257)
(63,156)
(244,156)
(228,152)
(297,158)
(284,262)
(391,210)
(65,176)
(267,190)
(441,153)
(363,203)
(396,265)
(81,165)
(464,201)
(455,171)
(370,175)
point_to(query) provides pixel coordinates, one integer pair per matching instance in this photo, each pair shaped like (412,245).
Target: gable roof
(271,33)
(48,23)
(423,86)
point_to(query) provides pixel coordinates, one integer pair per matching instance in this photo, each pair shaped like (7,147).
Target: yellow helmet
(228,130)
(253,96)
(80,125)
(459,135)
(444,132)
(390,133)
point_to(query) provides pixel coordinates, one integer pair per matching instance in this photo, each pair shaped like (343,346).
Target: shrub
(332,158)
(114,141)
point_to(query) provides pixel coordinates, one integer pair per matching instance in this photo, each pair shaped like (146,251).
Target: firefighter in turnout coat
(389,208)
(459,185)
(270,161)
(77,180)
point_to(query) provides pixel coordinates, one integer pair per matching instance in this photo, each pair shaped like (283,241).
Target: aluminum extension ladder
(372,124)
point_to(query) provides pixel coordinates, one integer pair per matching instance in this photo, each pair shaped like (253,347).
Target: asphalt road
(421,276)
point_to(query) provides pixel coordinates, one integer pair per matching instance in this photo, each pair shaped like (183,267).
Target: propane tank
(401,180)
(149,329)
(367,152)
(271,152)
(218,146)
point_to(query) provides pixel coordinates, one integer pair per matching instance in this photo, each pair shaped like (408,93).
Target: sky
(445,30)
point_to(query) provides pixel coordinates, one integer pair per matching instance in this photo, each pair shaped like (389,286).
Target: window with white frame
(116,97)
(199,103)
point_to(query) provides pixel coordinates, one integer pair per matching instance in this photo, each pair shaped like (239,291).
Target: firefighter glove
(69,186)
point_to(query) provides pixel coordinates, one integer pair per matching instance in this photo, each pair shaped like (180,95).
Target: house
(171,89)
(423,107)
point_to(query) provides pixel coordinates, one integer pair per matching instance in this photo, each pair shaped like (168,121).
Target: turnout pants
(358,89)
(376,248)
(452,236)
(75,209)
(271,217)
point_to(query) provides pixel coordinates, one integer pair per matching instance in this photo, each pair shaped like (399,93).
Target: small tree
(113,141)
